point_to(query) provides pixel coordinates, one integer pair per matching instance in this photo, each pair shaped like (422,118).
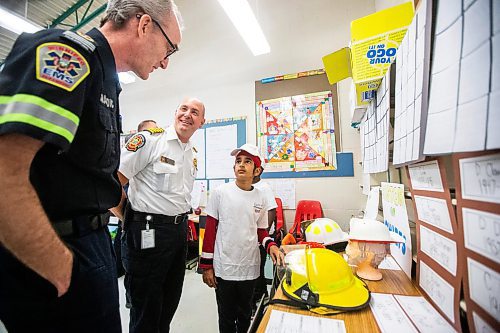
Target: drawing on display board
(296,133)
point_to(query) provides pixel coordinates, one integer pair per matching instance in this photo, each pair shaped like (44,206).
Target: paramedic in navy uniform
(161,166)
(59,154)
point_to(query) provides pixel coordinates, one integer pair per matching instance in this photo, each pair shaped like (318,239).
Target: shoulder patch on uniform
(83,40)
(156,130)
(135,143)
(60,65)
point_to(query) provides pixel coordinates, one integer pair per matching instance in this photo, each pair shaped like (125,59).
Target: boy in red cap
(236,225)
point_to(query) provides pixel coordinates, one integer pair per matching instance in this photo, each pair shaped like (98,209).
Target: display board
(439,270)
(477,179)
(304,123)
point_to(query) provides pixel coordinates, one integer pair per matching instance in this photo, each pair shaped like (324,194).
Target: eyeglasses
(173,48)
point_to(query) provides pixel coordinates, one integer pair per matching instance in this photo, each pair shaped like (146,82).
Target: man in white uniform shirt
(161,167)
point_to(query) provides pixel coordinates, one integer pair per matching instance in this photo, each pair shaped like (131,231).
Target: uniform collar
(106,54)
(172,135)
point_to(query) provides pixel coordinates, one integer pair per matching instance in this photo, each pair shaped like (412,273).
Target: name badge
(147,239)
(167,160)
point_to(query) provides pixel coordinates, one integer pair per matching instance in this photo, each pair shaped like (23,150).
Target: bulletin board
(307,86)
(214,143)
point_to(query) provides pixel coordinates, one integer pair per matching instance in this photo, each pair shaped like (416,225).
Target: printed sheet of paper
(410,90)
(375,130)
(389,315)
(389,263)
(286,322)
(484,287)
(396,219)
(482,232)
(198,140)
(441,249)
(426,177)
(482,326)
(283,189)
(372,203)
(220,141)
(480,178)
(466,66)
(424,315)
(433,211)
(440,291)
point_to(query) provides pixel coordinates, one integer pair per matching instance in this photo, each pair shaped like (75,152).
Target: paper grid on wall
(375,130)
(464,99)
(411,85)
(296,133)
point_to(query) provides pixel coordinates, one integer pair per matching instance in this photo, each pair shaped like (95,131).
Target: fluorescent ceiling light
(15,23)
(244,20)
(126,77)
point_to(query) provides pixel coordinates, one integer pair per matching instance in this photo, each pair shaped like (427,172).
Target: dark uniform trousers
(153,276)
(234,304)
(29,303)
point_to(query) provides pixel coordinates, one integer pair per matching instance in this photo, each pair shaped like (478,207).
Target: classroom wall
(216,66)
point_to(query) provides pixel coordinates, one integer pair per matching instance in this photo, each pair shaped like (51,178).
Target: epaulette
(83,40)
(156,130)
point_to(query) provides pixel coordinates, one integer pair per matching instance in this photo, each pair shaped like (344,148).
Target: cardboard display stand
(477,179)
(439,269)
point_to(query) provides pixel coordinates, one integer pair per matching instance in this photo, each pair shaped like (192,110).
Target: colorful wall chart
(296,133)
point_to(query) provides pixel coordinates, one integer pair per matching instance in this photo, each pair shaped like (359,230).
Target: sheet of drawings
(375,130)
(464,96)
(296,133)
(410,91)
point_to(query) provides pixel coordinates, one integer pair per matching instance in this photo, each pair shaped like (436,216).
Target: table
(393,282)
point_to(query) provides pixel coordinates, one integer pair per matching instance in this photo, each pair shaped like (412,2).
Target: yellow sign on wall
(374,41)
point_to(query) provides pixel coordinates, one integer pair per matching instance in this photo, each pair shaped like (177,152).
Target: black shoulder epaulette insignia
(194,149)
(83,40)
(156,130)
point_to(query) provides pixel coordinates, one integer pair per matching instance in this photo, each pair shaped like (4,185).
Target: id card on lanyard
(147,237)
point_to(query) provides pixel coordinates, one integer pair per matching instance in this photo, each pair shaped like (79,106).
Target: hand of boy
(276,255)
(209,278)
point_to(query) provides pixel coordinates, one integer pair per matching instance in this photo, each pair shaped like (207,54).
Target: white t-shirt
(161,172)
(268,193)
(240,213)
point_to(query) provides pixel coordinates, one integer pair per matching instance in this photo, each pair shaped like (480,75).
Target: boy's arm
(270,246)
(207,252)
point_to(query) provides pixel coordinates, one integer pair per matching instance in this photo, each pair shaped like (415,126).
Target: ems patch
(60,65)
(135,142)
(155,130)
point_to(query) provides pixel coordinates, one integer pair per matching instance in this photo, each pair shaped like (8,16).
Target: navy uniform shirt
(62,88)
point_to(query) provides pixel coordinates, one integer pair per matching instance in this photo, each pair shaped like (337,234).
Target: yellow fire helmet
(325,231)
(320,280)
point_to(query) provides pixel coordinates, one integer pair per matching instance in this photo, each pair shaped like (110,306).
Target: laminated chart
(296,133)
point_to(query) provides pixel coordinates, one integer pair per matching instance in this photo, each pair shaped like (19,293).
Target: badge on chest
(167,160)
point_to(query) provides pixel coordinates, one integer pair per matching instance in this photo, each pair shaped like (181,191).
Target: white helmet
(366,230)
(325,231)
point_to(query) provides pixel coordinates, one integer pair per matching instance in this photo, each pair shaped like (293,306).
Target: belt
(81,225)
(150,217)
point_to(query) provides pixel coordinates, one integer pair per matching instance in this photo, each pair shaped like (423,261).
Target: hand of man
(276,255)
(209,278)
